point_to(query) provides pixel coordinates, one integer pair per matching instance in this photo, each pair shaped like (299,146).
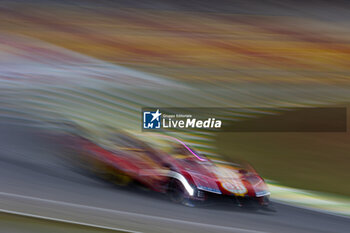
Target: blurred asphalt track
(35,180)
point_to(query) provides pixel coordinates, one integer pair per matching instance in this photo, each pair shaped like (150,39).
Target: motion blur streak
(84,69)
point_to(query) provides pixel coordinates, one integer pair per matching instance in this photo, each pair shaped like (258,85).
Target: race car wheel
(115,176)
(176,191)
(109,173)
(119,178)
(264,201)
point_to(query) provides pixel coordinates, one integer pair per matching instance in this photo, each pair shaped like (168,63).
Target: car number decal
(230,180)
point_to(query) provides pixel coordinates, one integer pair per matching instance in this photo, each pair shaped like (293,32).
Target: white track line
(66,221)
(178,221)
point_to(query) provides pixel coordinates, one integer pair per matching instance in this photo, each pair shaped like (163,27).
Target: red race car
(183,174)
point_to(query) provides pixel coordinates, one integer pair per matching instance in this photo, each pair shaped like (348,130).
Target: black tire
(264,201)
(119,178)
(176,191)
(106,172)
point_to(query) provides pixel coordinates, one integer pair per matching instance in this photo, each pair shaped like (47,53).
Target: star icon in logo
(156,115)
